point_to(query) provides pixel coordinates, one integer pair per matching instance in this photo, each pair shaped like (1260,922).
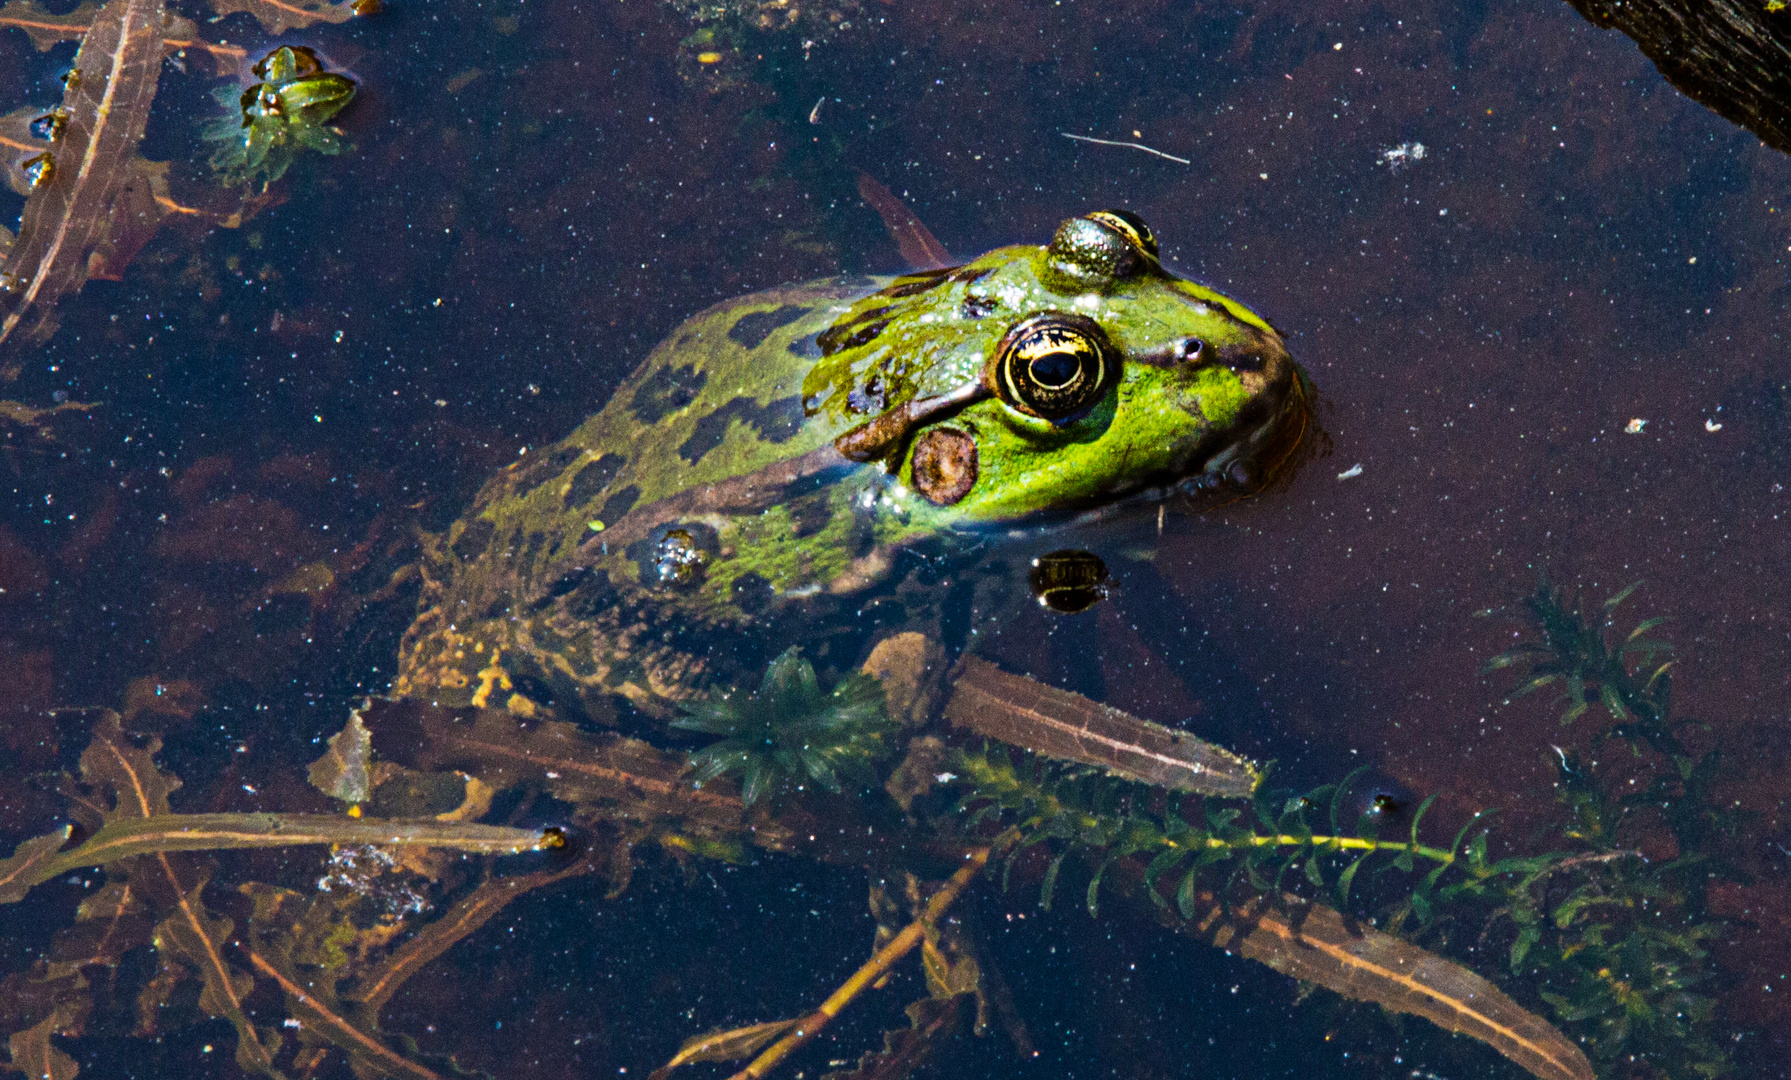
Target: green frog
(793,466)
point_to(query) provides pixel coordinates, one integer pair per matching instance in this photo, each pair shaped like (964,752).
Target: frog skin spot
(751,329)
(777,422)
(915,284)
(805,347)
(532,474)
(752,593)
(860,329)
(977,307)
(618,504)
(666,391)
(567,582)
(531,552)
(473,540)
(593,593)
(590,480)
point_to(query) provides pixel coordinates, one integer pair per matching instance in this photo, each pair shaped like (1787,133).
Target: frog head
(1048,379)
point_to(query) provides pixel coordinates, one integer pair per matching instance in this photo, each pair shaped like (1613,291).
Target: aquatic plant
(789,732)
(270,123)
(1620,944)
(1613,943)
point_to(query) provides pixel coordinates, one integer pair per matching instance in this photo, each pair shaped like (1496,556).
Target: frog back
(547,589)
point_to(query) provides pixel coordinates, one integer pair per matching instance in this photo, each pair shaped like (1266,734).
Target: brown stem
(873,969)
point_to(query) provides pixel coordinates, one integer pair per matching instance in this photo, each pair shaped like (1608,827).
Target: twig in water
(1128,145)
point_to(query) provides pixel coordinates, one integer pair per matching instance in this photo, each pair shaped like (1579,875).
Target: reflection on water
(1550,341)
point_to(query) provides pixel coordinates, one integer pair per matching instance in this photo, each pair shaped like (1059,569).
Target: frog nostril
(1190,350)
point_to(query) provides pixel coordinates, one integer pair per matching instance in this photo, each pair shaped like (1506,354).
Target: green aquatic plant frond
(1619,943)
(1584,653)
(1268,848)
(791,733)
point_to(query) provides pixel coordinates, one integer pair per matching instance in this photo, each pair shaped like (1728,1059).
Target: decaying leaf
(910,666)
(106,105)
(45,29)
(117,765)
(162,834)
(137,212)
(472,912)
(1319,945)
(1059,724)
(198,937)
(25,868)
(314,1006)
(930,1020)
(34,1055)
(34,419)
(342,772)
(914,240)
(280,16)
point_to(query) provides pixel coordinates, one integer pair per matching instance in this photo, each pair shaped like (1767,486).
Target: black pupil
(1055,370)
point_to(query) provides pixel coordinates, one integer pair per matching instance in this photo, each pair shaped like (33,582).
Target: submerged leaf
(919,247)
(106,102)
(36,1056)
(23,870)
(160,834)
(1321,946)
(279,16)
(930,1020)
(44,29)
(198,937)
(1057,723)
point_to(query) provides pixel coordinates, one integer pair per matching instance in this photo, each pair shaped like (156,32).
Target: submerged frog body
(755,482)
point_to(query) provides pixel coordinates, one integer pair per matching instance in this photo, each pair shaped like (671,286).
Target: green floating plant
(791,733)
(272,121)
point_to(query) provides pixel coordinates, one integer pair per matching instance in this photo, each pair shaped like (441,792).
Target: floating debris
(1351,473)
(1131,146)
(1635,426)
(1398,157)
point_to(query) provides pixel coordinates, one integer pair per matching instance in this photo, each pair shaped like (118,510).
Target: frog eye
(1055,366)
(1098,248)
(1130,226)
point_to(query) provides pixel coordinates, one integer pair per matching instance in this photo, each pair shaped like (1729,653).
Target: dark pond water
(1544,298)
